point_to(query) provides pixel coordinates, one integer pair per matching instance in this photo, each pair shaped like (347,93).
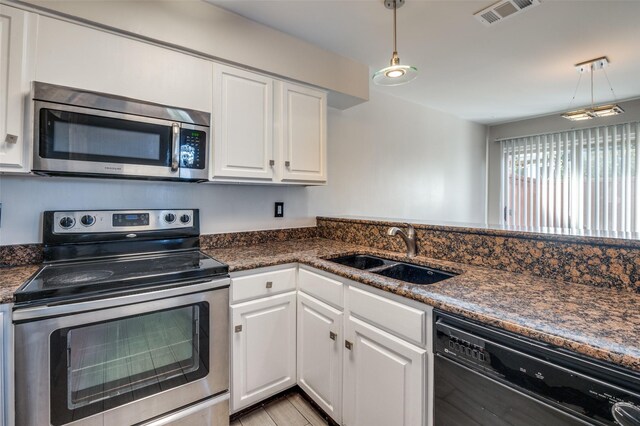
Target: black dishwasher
(487,376)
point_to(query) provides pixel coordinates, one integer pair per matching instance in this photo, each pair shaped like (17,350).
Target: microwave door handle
(175,147)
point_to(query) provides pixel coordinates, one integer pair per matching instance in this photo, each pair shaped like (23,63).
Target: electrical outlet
(279,211)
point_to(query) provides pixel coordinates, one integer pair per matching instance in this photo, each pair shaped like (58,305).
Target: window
(585,180)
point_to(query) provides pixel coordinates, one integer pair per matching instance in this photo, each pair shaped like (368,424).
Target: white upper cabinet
(304,134)
(243,124)
(17,38)
(266,130)
(263,130)
(74,55)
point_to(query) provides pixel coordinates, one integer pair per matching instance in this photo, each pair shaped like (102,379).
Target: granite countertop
(599,322)
(12,278)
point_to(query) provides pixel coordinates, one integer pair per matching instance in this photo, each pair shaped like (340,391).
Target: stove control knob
(185,218)
(87,220)
(169,217)
(67,222)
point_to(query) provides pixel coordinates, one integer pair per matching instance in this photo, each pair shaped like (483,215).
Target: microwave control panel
(193,149)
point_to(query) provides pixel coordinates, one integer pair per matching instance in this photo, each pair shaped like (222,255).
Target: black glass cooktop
(92,277)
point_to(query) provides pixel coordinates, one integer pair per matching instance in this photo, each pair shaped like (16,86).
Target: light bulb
(395,73)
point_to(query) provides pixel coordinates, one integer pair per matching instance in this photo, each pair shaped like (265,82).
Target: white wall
(396,159)
(223,208)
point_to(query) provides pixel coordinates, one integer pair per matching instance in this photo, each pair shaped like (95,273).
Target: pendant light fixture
(395,74)
(595,111)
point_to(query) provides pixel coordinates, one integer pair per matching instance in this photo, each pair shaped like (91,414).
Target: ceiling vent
(502,10)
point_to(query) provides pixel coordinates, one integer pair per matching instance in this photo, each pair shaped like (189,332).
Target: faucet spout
(409,237)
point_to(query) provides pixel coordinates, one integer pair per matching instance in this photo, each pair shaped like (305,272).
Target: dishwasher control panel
(470,351)
(458,344)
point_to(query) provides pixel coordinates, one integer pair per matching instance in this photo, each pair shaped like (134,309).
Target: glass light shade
(395,75)
(577,115)
(596,112)
(606,110)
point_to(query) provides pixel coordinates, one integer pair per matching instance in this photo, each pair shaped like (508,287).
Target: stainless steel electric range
(126,323)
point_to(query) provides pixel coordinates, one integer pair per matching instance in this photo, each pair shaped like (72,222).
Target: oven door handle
(175,147)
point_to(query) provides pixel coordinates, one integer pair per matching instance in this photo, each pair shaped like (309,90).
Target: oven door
(123,364)
(72,139)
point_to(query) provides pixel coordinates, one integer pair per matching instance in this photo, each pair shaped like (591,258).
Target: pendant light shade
(395,74)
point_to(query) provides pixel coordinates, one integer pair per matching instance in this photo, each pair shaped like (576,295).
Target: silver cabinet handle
(238,328)
(11,138)
(333,336)
(272,163)
(348,344)
(287,163)
(269,284)
(175,147)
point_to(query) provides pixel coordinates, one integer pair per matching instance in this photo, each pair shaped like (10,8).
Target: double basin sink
(407,272)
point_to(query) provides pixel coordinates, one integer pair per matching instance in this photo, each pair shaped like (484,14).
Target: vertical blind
(584,180)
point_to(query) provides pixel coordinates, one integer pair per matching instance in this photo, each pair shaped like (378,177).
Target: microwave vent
(503,9)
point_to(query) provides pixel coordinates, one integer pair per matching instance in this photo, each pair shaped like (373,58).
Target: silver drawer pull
(269,284)
(333,336)
(348,344)
(238,328)
(11,138)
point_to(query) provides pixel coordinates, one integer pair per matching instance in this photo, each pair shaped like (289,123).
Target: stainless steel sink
(414,274)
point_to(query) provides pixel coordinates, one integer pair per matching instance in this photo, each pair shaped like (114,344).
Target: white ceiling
(521,67)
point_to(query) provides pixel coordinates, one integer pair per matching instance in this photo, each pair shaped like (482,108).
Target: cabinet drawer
(324,288)
(262,284)
(402,320)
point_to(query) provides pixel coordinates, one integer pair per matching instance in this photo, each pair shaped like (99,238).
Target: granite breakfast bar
(602,323)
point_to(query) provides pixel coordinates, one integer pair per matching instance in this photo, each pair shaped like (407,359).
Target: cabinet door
(74,55)
(17,29)
(243,122)
(385,381)
(320,354)
(304,133)
(263,348)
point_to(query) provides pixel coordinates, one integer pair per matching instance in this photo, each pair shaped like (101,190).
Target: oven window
(103,365)
(83,137)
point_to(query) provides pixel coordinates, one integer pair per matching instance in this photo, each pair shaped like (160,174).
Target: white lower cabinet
(320,353)
(384,381)
(263,348)
(358,352)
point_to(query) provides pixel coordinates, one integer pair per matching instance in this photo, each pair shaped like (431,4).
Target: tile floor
(290,410)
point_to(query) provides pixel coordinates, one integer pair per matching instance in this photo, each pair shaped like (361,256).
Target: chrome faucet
(409,237)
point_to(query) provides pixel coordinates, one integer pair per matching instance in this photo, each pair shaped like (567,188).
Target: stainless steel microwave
(83,133)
